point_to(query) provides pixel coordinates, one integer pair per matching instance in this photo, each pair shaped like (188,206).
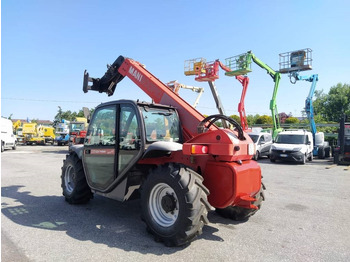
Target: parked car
(292,145)
(8,139)
(263,143)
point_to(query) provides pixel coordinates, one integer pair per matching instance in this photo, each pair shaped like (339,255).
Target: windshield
(254,137)
(77,126)
(161,125)
(290,139)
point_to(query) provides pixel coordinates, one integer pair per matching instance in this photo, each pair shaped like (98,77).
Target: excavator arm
(151,85)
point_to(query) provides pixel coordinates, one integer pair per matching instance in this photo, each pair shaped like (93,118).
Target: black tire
(336,158)
(303,160)
(74,185)
(14,146)
(239,213)
(311,157)
(257,155)
(174,204)
(327,152)
(2,146)
(272,160)
(321,153)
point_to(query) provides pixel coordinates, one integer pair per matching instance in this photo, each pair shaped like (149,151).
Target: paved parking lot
(305,218)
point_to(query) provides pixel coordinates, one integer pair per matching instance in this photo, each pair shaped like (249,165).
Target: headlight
(297,149)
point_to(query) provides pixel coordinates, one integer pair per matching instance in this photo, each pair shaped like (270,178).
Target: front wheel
(174,204)
(74,185)
(311,157)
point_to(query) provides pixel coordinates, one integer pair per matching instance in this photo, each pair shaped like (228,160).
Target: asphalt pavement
(305,218)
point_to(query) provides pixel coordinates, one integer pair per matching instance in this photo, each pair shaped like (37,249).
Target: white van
(8,139)
(292,145)
(263,143)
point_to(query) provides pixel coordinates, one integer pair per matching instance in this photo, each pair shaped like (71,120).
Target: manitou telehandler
(176,160)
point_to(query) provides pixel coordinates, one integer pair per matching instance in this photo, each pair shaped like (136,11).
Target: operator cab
(118,135)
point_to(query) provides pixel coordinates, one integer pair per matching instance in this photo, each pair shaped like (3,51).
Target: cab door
(113,145)
(100,148)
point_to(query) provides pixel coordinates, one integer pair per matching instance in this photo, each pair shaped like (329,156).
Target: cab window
(102,128)
(161,125)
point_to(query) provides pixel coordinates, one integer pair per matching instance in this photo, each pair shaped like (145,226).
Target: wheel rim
(164,205)
(69,179)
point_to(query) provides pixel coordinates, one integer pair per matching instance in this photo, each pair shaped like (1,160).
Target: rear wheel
(336,158)
(174,204)
(257,155)
(327,152)
(74,185)
(321,153)
(239,213)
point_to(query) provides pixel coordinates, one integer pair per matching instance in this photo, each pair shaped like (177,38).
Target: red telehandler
(165,152)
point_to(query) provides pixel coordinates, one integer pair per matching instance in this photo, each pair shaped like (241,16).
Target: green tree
(291,120)
(68,115)
(236,117)
(264,119)
(252,119)
(332,105)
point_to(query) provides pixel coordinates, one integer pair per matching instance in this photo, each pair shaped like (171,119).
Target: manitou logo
(135,73)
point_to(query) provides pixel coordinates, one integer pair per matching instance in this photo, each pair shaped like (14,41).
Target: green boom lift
(241,65)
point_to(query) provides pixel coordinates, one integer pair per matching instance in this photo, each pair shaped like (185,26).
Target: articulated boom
(308,102)
(151,85)
(244,80)
(276,76)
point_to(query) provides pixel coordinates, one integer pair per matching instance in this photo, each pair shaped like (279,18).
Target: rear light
(199,149)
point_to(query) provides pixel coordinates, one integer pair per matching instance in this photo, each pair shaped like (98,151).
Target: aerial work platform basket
(239,65)
(300,60)
(195,66)
(204,71)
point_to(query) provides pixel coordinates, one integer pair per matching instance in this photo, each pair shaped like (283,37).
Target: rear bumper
(232,184)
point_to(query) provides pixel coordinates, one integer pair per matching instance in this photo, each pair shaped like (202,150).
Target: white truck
(292,145)
(8,139)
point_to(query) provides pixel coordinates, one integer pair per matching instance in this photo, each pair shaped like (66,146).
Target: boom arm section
(244,80)
(151,85)
(308,102)
(276,76)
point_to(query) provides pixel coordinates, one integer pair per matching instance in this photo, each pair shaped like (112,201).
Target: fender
(78,149)
(161,148)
